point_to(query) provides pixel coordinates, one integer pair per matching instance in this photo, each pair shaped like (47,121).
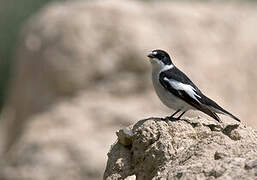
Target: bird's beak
(150,55)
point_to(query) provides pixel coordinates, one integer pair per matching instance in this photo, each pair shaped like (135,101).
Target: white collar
(167,67)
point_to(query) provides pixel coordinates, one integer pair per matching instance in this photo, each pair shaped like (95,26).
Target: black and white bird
(177,91)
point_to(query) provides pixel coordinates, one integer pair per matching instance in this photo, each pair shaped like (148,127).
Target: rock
(251,164)
(124,136)
(185,149)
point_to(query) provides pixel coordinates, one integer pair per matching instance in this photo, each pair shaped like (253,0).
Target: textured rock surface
(81,73)
(185,149)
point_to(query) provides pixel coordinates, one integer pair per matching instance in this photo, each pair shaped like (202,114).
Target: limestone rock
(185,149)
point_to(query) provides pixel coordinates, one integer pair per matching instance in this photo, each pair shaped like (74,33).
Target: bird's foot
(171,118)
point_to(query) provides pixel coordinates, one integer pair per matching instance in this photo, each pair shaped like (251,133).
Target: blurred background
(74,72)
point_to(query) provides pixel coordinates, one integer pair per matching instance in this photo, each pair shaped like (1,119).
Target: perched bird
(177,91)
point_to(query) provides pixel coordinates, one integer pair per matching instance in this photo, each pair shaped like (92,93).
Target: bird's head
(159,59)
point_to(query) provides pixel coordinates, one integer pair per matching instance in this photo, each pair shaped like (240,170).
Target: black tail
(223,111)
(207,111)
(216,108)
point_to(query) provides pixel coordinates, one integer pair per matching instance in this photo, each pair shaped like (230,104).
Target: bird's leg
(181,115)
(171,117)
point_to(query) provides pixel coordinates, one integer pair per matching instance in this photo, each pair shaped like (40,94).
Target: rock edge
(197,148)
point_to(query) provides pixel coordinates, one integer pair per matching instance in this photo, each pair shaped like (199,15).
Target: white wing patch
(185,87)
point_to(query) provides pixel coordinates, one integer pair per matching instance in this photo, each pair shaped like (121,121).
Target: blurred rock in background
(80,73)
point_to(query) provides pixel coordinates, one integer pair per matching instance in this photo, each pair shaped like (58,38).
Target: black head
(160,55)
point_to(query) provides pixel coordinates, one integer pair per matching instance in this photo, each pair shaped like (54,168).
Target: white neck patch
(167,67)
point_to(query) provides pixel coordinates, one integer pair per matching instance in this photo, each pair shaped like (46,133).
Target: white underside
(166,97)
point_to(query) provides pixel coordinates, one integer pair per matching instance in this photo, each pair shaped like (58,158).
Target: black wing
(196,101)
(179,76)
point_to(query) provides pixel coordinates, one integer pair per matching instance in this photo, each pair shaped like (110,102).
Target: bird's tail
(220,110)
(215,108)
(223,111)
(209,112)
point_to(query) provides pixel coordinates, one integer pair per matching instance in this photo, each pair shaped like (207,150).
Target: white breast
(166,97)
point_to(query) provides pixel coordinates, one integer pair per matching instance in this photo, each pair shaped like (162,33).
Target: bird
(177,91)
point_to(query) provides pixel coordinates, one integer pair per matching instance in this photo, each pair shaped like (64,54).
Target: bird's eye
(159,56)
